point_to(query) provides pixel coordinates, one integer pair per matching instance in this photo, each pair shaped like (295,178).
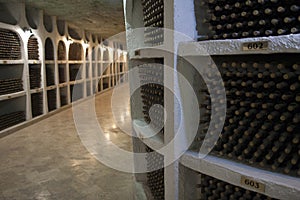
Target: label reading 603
(253,184)
(255,46)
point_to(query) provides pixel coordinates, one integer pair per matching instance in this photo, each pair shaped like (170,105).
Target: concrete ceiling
(104,17)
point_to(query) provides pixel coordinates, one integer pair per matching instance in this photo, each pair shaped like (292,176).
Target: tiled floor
(48,161)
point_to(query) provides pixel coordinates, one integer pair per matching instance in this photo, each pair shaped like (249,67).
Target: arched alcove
(49,50)
(75,51)
(33,48)
(61,51)
(94,38)
(10,45)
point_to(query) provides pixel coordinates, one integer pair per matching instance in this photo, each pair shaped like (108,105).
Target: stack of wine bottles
(63,96)
(11,119)
(262,117)
(50,75)
(75,72)
(153,21)
(215,189)
(51,97)
(61,52)
(75,51)
(155,176)
(49,50)
(35,76)
(247,18)
(33,48)
(11,85)
(37,104)
(62,73)
(152,92)
(10,47)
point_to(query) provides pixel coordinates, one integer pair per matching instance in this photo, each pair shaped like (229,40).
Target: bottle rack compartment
(105,83)
(50,74)
(33,48)
(49,49)
(11,79)
(242,19)
(61,52)
(75,51)
(37,104)
(51,97)
(153,12)
(12,112)
(262,115)
(35,76)
(155,176)
(207,187)
(75,72)
(62,71)
(10,45)
(63,96)
(152,92)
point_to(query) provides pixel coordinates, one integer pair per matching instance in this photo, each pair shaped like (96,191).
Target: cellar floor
(48,161)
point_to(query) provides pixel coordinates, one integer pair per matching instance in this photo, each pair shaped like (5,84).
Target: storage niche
(75,51)
(37,104)
(61,51)
(12,112)
(63,96)
(11,79)
(10,45)
(35,76)
(49,49)
(33,48)
(51,97)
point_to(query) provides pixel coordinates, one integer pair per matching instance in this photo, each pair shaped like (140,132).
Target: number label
(255,46)
(253,184)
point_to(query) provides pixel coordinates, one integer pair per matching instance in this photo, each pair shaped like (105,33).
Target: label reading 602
(255,46)
(253,184)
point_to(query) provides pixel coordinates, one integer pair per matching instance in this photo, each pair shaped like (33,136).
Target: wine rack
(10,46)
(50,74)
(155,176)
(75,51)
(202,186)
(75,72)
(153,21)
(152,92)
(35,76)
(49,50)
(36,104)
(262,115)
(242,19)
(62,73)
(12,85)
(11,119)
(61,52)
(33,48)
(51,96)
(40,65)
(63,96)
